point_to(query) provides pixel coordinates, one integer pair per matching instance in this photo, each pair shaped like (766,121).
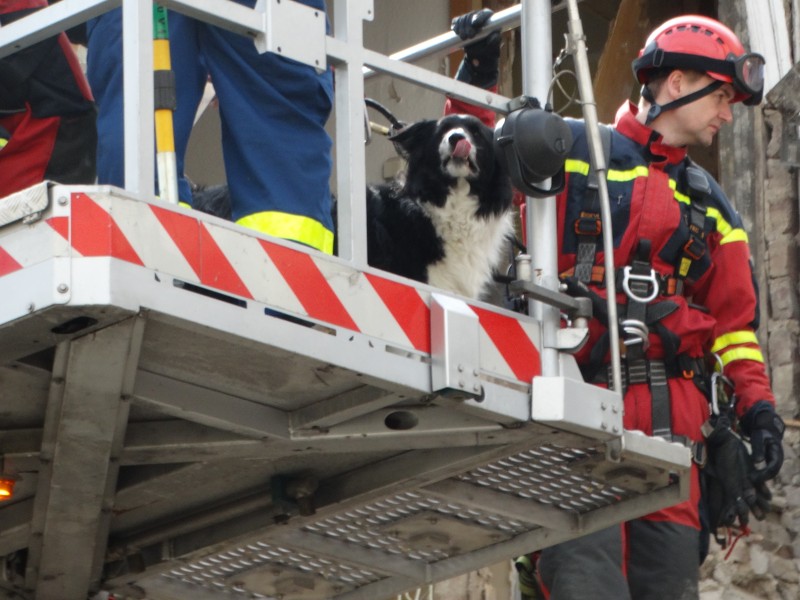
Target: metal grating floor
(547,475)
(544,475)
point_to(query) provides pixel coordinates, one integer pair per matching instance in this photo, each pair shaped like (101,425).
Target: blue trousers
(273,112)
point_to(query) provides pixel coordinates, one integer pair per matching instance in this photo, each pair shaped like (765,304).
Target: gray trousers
(662,564)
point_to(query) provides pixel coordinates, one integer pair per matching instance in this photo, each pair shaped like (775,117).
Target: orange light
(6,488)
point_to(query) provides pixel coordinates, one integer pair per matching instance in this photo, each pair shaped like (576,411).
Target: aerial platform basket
(194,410)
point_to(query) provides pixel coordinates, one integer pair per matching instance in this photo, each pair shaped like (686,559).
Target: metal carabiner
(717,381)
(714,397)
(650,278)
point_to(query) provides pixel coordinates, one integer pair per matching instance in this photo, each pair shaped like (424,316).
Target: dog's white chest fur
(473,246)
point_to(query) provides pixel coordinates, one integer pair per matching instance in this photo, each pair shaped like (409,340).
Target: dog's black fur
(445,219)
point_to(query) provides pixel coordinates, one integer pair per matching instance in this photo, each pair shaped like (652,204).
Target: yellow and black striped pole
(165,104)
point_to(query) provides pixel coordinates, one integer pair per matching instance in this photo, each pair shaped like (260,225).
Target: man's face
(698,122)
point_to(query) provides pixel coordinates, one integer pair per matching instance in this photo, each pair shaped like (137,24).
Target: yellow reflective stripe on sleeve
(726,230)
(741,354)
(734,339)
(736,235)
(301,229)
(3,142)
(183,204)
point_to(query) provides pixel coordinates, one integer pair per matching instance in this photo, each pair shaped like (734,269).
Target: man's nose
(726,114)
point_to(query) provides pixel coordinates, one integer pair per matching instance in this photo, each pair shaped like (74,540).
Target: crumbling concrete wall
(766,564)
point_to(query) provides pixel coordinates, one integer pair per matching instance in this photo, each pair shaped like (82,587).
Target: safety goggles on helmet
(745,72)
(749,76)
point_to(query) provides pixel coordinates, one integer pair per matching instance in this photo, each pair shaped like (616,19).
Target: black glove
(730,493)
(765,430)
(480,66)
(469,25)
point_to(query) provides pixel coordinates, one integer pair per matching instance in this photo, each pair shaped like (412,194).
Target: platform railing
(270,24)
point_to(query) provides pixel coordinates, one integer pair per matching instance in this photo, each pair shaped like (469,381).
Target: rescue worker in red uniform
(685,292)
(47,113)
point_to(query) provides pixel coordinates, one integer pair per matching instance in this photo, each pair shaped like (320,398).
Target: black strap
(659,404)
(695,215)
(588,226)
(657,109)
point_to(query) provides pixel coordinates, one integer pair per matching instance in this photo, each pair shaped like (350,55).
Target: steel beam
(84,428)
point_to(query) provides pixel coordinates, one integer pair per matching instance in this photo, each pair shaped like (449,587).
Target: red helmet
(705,45)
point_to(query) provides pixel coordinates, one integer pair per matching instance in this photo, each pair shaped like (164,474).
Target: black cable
(396,124)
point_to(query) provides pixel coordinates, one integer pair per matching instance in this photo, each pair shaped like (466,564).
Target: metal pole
(579,55)
(137,62)
(350,133)
(536,32)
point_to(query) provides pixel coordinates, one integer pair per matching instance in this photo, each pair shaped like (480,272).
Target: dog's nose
(455,138)
(460,146)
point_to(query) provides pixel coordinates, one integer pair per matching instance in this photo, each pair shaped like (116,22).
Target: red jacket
(650,200)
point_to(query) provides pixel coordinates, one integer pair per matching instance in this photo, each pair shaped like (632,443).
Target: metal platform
(197,411)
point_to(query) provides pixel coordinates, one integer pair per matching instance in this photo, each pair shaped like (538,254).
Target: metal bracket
(455,351)
(574,307)
(282,19)
(577,407)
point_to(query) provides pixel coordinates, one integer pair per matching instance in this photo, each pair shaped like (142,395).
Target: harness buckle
(651,279)
(588,224)
(637,332)
(694,248)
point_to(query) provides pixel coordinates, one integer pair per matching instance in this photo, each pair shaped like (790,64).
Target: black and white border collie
(445,220)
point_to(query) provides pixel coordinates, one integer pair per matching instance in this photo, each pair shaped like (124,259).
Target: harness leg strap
(660,405)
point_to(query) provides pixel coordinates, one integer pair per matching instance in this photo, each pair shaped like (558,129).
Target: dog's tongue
(462,149)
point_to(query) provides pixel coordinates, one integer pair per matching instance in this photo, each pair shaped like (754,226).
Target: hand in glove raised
(480,66)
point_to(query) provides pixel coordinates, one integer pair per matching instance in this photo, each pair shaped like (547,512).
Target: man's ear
(675,85)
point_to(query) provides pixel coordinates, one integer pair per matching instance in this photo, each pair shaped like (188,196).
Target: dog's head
(458,144)
(440,153)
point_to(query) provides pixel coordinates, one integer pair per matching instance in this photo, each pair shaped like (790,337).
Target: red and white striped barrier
(192,248)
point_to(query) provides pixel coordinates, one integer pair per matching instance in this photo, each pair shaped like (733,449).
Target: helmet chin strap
(657,109)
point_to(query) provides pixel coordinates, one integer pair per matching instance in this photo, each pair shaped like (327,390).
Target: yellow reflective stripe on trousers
(734,339)
(741,354)
(287,226)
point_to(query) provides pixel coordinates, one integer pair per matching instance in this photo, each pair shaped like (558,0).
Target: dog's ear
(405,139)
